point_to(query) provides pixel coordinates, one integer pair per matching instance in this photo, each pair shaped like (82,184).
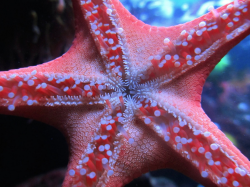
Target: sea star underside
(127,96)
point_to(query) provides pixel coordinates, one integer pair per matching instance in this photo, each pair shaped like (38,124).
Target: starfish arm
(77,77)
(108,35)
(81,128)
(142,41)
(201,39)
(184,125)
(148,152)
(47,87)
(186,128)
(97,161)
(173,50)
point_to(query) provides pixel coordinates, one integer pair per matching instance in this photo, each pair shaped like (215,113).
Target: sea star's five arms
(127,96)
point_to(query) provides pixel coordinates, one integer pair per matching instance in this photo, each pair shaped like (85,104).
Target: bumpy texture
(127,96)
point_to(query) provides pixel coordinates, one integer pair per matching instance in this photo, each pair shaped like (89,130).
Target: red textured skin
(184,92)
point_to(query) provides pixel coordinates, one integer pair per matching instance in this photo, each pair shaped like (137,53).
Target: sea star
(127,96)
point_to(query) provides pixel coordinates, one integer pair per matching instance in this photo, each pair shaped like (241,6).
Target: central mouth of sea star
(130,92)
